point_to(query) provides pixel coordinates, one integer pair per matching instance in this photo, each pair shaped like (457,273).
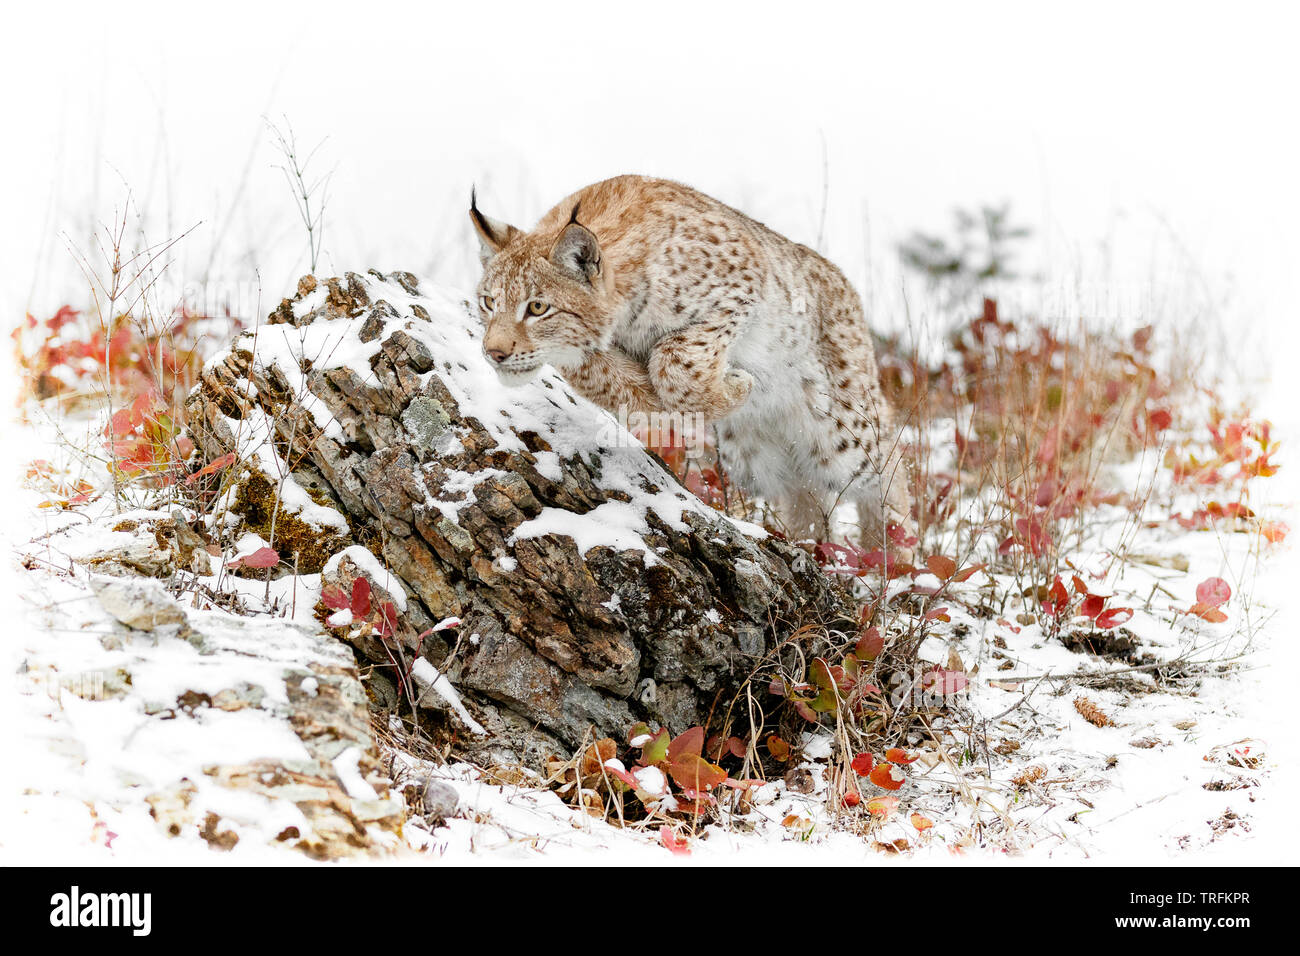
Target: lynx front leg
(689,370)
(612,379)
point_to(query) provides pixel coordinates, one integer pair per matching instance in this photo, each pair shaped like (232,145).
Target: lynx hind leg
(803,516)
(886,501)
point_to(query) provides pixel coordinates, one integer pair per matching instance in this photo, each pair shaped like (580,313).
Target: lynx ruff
(650,296)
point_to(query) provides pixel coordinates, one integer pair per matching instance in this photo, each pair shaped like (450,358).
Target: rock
(142,555)
(581,571)
(334,791)
(439,801)
(153,544)
(143,605)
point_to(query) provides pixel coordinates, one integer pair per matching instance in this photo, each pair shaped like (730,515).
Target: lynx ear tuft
(493,236)
(577,251)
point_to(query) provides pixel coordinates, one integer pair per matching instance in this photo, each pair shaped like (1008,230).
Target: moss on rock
(255,503)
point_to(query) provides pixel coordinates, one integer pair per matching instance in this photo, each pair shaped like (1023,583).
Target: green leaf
(656,751)
(827,700)
(852,667)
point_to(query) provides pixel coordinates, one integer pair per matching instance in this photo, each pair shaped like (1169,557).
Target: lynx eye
(486,303)
(536,308)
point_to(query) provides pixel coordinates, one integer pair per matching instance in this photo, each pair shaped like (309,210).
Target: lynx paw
(735,389)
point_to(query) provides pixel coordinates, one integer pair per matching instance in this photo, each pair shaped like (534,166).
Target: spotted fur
(651,295)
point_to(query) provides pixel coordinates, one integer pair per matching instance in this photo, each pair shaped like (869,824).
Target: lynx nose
(497,355)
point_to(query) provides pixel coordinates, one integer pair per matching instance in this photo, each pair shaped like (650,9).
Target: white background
(1143,141)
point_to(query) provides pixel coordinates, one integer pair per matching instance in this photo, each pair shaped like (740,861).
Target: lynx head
(544,297)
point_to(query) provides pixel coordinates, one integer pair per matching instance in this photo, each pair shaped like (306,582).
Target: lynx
(647,294)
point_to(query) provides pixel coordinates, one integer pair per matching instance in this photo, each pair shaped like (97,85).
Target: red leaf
(142,407)
(965,573)
(691,742)
(387,620)
(1208,612)
(360,599)
(334,598)
(261,558)
(626,778)
(215,465)
(899,536)
(944,682)
(1057,598)
(1274,531)
(870,644)
(899,755)
(693,772)
(1114,617)
(122,423)
(668,837)
(882,806)
(1092,605)
(852,799)
(1046,493)
(887,777)
(713,747)
(921,822)
(1213,591)
(862,764)
(803,710)
(938,614)
(894,571)
(778,748)
(941,567)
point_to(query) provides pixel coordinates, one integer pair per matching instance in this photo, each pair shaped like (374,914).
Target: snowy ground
(1188,771)
(1183,777)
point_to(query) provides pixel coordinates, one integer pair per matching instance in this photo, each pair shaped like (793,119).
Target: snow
(614,524)
(349,773)
(548,465)
(651,780)
(428,677)
(461,485)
